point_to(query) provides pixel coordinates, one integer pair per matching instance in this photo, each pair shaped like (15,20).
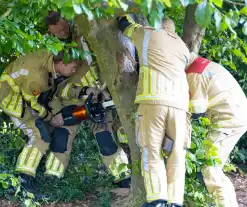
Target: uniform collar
(193,56)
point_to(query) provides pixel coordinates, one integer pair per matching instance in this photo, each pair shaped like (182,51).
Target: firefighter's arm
(129,27)
(198,95)
(71,91)
(31,91)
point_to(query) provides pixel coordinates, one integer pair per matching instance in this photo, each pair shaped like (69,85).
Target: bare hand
(57,120)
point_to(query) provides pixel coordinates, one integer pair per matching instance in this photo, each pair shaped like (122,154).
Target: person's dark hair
(52,18)
(59,57)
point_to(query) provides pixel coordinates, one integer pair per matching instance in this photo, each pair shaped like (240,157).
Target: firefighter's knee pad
(44,130)
(106,143)
(59,140)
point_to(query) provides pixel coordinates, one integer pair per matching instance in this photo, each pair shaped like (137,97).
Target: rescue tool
(94,111)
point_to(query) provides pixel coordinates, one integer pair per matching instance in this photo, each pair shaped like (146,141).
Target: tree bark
(103,37)
(193,33)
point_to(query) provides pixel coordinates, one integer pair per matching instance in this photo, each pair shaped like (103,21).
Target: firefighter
(214,92)
(80,84)
(162,116)
(21,84)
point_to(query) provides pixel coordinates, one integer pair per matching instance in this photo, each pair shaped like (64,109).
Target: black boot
(157,203)
(174,205)
(29,184)
(124,183)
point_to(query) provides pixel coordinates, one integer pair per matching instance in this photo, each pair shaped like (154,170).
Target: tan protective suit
(21,83)
(214,91)
(163,99)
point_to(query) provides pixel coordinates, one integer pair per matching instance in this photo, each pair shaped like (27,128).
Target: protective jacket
(215,91)
(24,80)
(85,76)
(163,57)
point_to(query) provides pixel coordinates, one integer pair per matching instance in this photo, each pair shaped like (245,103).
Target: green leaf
(59,3)
(68,12)
(203,14)
(167,3)
(207,142)
(5,185)
(193,145)
(54,50)
(234,18)
(244,11)
(18,190)
(121,167)
(218,3)
(223,25)
(200,154)
(28,202)
(14,181)
(66,57)
(30,195)
(244,29)
(87,12)
(192,157)
(77,7)
(7,47)
(3,176)
(217,18)
(185,2)
(123,5)
(155,19)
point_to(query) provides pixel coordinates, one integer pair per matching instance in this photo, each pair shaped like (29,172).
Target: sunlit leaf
(203,14)
(218,3)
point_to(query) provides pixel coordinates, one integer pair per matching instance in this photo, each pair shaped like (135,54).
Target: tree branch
(235,3)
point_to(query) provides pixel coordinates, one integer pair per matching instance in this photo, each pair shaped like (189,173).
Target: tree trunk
(112,59)
(193,33)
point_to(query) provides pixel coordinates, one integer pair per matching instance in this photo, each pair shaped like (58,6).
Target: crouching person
(21,84)
(215,93)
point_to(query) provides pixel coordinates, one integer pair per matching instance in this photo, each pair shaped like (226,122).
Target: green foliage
(239,155)
(84,175)
(201,154)
(203,13)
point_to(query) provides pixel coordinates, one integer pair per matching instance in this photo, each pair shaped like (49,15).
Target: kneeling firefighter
(73,92)
(87,77)
(215,93)
(21,83)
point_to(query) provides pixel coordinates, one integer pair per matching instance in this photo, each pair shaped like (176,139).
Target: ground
(239,180)
(240,183)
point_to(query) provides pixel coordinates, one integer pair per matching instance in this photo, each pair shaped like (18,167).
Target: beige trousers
(216,181)
(32,153)
(153,124)
(117,163)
